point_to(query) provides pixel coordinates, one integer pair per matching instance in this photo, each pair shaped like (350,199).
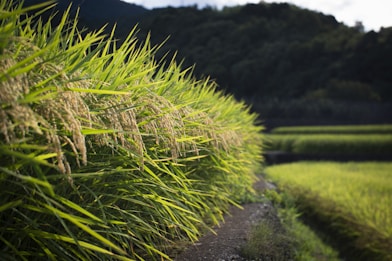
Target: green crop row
(106,154)
(351,199)
(330,143)
(349,129)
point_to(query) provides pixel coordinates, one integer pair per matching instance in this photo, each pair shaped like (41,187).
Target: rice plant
(354,144)
(352,199)
(335,129)
(105,153)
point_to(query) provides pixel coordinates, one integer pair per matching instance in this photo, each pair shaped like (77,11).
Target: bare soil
(232,234)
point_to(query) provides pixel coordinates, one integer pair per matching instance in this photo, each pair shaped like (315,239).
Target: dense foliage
(105,154)
(279,50)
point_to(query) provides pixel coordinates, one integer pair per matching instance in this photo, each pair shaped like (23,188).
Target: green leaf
(75,220)
(11,204)
(98,91)
(79,209)
(31,180)
(84,244)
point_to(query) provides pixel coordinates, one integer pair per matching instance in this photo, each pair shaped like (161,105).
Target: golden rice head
(117,113)
(49,120)
(16,119)
(163,122)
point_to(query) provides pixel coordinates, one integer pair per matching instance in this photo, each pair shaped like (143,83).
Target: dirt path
(231,234)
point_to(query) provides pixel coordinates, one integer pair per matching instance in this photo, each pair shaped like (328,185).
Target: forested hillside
(286,61)
(276,49)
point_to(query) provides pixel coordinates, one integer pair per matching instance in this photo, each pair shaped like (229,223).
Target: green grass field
(354,199)
(348,129)
(330,143)
(287,237)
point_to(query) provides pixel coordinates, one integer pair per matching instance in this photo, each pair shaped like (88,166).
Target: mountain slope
(276,49)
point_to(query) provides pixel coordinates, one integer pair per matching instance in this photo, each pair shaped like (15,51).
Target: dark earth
(231,234)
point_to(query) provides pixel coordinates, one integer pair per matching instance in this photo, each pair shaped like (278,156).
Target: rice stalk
(106,155)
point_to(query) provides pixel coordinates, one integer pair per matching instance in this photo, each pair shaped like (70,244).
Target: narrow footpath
(231,235)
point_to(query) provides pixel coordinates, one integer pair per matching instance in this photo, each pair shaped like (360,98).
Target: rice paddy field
(348,129)
(349,140)
(351,200)
(107,154)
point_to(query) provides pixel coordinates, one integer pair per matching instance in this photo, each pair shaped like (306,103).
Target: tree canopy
(275,50)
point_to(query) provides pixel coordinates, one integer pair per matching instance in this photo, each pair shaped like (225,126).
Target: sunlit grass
(352,144)
(354,197)
(335,129)
(106,154)
(350,139)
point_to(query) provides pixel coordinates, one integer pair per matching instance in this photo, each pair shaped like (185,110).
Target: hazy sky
(372,13)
